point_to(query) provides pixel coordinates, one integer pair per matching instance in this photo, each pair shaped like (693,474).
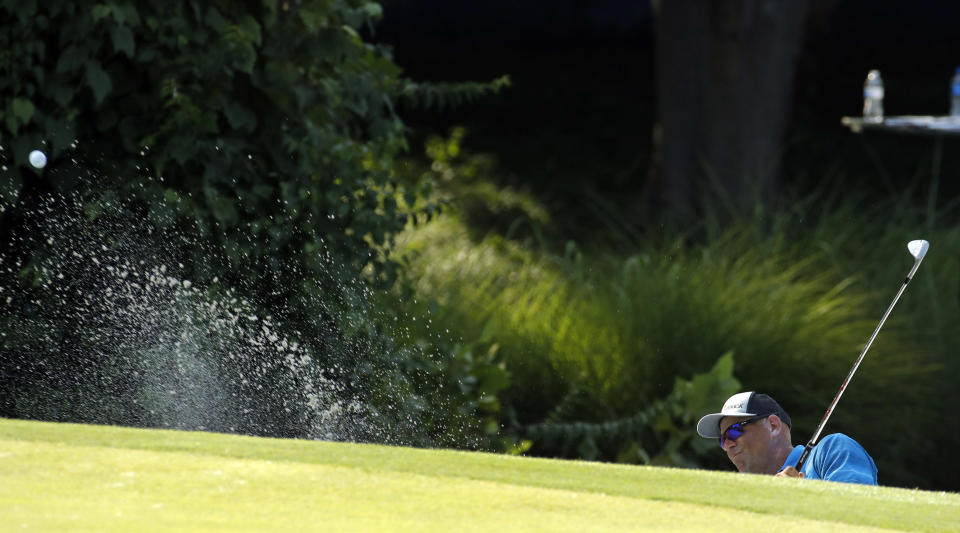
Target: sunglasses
(735,431)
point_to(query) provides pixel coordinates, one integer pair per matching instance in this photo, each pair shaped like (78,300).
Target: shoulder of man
(834,439)
(839,443)
(838,457)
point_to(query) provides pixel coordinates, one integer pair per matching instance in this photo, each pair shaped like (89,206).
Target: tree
(252,143)
(724,76)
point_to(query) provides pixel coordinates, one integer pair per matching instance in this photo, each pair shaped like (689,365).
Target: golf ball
(38,159)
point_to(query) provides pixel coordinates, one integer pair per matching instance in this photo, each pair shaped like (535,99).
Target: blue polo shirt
(836,457)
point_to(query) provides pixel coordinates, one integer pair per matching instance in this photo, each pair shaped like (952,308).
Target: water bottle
(873,97)
(955,95)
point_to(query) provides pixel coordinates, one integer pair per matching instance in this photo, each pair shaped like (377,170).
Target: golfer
(755,432)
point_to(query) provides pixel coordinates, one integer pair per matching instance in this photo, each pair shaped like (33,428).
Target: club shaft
(843,387)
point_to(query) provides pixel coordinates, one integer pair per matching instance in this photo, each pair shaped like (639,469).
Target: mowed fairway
(66,477)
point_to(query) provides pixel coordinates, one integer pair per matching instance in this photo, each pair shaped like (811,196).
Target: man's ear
(776,425)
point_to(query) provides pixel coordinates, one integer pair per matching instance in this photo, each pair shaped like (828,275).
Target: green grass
(59,477)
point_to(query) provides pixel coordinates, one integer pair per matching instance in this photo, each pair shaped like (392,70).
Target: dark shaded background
(579,115)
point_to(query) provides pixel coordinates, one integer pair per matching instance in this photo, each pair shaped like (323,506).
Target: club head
(918,248)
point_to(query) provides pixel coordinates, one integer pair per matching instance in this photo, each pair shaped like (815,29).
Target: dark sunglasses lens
(733,433)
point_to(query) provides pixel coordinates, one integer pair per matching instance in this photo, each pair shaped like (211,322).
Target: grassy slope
(73,477)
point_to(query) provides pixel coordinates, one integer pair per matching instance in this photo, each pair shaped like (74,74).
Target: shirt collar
(793,457)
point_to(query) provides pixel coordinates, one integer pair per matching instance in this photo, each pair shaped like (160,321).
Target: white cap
(741,404)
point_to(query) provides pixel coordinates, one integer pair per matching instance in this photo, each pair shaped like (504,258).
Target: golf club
(917,249)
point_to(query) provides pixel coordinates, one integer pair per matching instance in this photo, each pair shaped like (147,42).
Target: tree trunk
(725,70)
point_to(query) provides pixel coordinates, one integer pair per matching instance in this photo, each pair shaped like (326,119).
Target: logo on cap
(738,402)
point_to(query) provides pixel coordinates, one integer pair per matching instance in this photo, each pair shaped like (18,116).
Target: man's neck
(780,456)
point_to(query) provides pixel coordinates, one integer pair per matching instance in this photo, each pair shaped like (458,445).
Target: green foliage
(461,380)
(255,143)
(480,376)
(597,338)
(264,120)
(662,434)
(591,336)
(462,181)
(441,96)
(253,146)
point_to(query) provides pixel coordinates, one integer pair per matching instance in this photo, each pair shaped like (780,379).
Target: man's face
(751,452)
